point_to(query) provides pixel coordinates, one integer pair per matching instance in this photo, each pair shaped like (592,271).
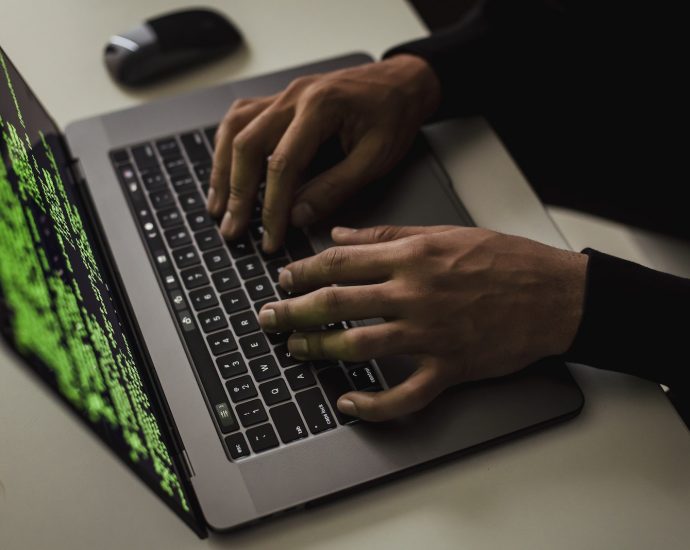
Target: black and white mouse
(169,43)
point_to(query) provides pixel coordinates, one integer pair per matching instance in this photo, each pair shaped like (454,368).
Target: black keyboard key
(168,147)
(288,422)
(185,257)
(161,199)
(221,342)
(241,388)
(216,259)
(225,417)
(120,156)
(256,230)
(153,180)
(364,378)
(250,267)
(194,145)
(285,358)
(213,319)
(244,323)
(259,288)
(262,438)
(177,299)
(251,413)
(199,220)
(254,344)
(225,280)
(170,281)
(211,135)
(297,244)
(179,236)
(144,157)
(203,298)
(334,384)
(275,391)
(182,182)
(275,267)
(315,410)
(277,337)
(208,239)
(191,201)
(264,368)
(240,248)
(262,303)
(194,277)
(203,172)
(231,365)
(237,446)
(175,165)
(234,301)
(169,217)
(127,174)
(300,377)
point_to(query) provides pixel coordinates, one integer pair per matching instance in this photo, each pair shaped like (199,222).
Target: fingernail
(302,214)
(343,230)
(266,241)
(347,406)
(298,346)
(226,224)
(211,200)
(267,318)
(285,279)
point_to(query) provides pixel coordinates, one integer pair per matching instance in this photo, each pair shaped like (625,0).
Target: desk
(617,476)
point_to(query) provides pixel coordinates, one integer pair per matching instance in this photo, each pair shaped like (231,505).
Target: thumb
(383,233)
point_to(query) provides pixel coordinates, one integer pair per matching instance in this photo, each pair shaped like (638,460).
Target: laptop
(118,291)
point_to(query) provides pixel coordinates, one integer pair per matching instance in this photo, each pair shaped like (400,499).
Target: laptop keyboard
(259,396)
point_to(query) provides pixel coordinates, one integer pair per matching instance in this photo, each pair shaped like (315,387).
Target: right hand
(375,110)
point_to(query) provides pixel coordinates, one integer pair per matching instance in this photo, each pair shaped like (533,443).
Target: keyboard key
(275,267)
(182,182)
(225,417)
(208,239)
(256,230)
(244,323)
(262,303)
(254,344)
(185,257)
(144,157)
(221,342)
(234,301)
(264,368)
(153,180)
(213,319)
(179,236)
(277,337)
(177,299)
(262,438)
(251,412)
(120,156)
(335,384)
(203,172)
(203,298)
(199,220)
(285,358)
(161,199)
(225,280)
(259,288)
(216,259)
(237,446)
(241,388)
(297,244)
(211,135)
(175,165)
(194,145)
(315,410)
(231,365)
(275,391)
(288,422)
(194,277)
(240,248)
(300,377)
(191,201)
(169,217)
(250,267)
(167,147)
(364,378)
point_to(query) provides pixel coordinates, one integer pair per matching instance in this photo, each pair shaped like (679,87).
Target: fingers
(411,395)
(290,158)
(240,114)
(327,305)
(353,344)
(383,233)
(250,149)
(340,264)
(328,190)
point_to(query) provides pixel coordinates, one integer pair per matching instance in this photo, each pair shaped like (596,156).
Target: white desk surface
(617,476)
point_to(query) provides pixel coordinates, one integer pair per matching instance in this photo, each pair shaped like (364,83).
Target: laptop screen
(56,307)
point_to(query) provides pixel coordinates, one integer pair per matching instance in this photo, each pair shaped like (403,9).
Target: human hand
(375,110)
(467,303)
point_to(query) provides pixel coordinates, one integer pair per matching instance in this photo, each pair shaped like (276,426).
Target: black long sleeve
(590,98)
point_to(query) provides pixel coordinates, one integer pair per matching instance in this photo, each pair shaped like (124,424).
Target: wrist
(418,80)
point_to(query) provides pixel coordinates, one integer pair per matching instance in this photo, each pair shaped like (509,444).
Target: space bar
(206,373)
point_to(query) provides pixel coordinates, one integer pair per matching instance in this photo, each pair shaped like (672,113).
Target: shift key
(315,410)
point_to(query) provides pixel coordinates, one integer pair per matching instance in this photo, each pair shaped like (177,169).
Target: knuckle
(239,103)
(328,299)
(277,164)
(238,193)
(299,83)
(358,344)
(269,214)
(243,144)
(321,92)
(332,260)
(384,232)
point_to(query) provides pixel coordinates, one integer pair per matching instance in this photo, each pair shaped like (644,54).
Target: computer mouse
(168,44)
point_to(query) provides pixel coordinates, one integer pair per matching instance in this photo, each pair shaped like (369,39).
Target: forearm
(635,320)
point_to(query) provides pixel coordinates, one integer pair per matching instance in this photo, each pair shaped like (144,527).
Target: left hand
(468,303)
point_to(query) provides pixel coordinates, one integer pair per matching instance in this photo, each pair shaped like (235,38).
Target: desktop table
(617,476)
